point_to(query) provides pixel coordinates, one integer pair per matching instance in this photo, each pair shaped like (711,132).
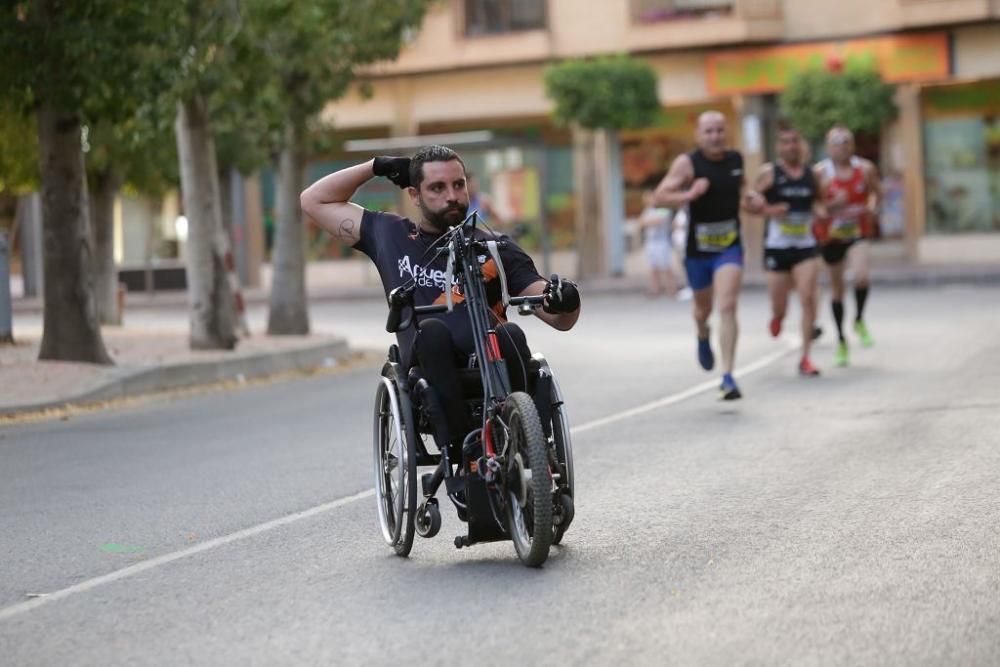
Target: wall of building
(977,51)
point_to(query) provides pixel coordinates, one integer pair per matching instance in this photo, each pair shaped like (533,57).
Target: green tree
(611,92)
(311,51)
(205,36)
(596,98)
(68,63)
(817,99)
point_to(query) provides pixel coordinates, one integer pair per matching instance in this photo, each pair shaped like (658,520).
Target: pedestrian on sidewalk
(655,222)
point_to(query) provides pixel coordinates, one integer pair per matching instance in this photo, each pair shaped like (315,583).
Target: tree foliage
(817,99)
(611,92)
(86,58)
(18,152)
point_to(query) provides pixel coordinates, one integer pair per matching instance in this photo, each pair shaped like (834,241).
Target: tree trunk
(589,209)
(71,331)
(213,305)
(106,187)
(289,314)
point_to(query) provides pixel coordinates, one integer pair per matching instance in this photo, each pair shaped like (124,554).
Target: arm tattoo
(345,230)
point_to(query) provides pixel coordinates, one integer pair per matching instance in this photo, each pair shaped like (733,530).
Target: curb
(131,382)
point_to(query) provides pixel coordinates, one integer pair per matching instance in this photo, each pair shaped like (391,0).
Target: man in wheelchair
(404,251)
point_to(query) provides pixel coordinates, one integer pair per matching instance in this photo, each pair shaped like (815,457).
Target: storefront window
(962,158)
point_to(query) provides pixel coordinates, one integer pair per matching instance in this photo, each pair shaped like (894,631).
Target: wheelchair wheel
(528,481)
(564,455)
(395,469)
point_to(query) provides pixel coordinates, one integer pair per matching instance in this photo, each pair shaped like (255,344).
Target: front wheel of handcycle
(395,468)
(528,481)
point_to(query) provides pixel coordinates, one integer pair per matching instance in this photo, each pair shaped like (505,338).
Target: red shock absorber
(488,440)
(493,347)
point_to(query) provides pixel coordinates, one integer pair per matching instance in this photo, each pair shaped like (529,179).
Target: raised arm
(327,202)
(679,186)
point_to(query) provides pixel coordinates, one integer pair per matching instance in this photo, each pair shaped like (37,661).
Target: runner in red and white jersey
(852,195)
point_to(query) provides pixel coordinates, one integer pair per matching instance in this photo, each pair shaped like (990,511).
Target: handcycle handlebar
(527,300)
(526,305)
(400,301)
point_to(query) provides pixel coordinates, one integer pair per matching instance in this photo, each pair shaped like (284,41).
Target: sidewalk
(148,362)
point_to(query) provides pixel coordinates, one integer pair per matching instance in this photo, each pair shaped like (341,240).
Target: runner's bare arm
(754,201)
(561,321)
(679,186)
(874,187)
(327,202)
(820,209)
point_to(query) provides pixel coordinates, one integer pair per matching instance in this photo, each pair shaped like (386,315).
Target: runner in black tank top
(709,182)
(790,193)
(714,220)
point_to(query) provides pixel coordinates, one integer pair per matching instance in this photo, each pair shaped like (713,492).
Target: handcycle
(514,477)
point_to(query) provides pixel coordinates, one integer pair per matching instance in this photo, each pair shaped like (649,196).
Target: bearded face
(441,219)
(442,198)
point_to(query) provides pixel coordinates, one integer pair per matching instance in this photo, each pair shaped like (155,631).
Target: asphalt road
(852,518)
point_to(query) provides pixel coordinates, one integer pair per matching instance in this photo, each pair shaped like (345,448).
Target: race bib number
(848,225)
(796,226)
(845,229)
(716,236)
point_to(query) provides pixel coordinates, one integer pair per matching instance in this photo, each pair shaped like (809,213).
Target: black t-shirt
(402,251)
(714,218)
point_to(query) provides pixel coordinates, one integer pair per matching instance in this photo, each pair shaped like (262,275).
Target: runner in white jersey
(787,194)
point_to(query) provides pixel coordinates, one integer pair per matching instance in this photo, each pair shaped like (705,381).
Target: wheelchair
(512,478)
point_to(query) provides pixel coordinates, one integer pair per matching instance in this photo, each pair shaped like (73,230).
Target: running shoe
(728,391)
(840,359)
(684,294)
(863,335)
(806,368)
(774,327)
(705,356)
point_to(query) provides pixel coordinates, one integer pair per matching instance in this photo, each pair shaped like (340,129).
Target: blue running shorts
(701,270)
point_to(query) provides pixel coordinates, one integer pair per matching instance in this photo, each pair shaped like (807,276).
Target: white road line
(131,570)
(679,396)
(124,573)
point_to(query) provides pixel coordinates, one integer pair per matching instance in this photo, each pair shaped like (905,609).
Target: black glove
(396,169)
(562,296)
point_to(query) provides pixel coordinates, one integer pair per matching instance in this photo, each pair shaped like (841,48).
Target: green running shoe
(840,359)
(863,335)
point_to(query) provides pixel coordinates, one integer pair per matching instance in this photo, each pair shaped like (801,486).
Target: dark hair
(785,125)
(429,154)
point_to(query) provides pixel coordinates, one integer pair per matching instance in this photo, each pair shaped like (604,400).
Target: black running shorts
(783,260)
(834,253)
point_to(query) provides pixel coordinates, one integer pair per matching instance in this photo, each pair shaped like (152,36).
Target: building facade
(474,73)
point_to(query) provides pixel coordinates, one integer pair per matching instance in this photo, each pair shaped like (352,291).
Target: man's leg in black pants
(514,348)
(515,351)
(437,358)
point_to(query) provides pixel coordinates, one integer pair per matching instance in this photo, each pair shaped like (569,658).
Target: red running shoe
(775,326)
(806,368)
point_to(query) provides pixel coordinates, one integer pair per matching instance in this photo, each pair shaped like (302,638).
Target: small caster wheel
(563,517)
(428,519)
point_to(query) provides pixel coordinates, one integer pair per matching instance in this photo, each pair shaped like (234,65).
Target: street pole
(6,304)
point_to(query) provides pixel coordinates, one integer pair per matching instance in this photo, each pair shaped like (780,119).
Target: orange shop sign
(767,70)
